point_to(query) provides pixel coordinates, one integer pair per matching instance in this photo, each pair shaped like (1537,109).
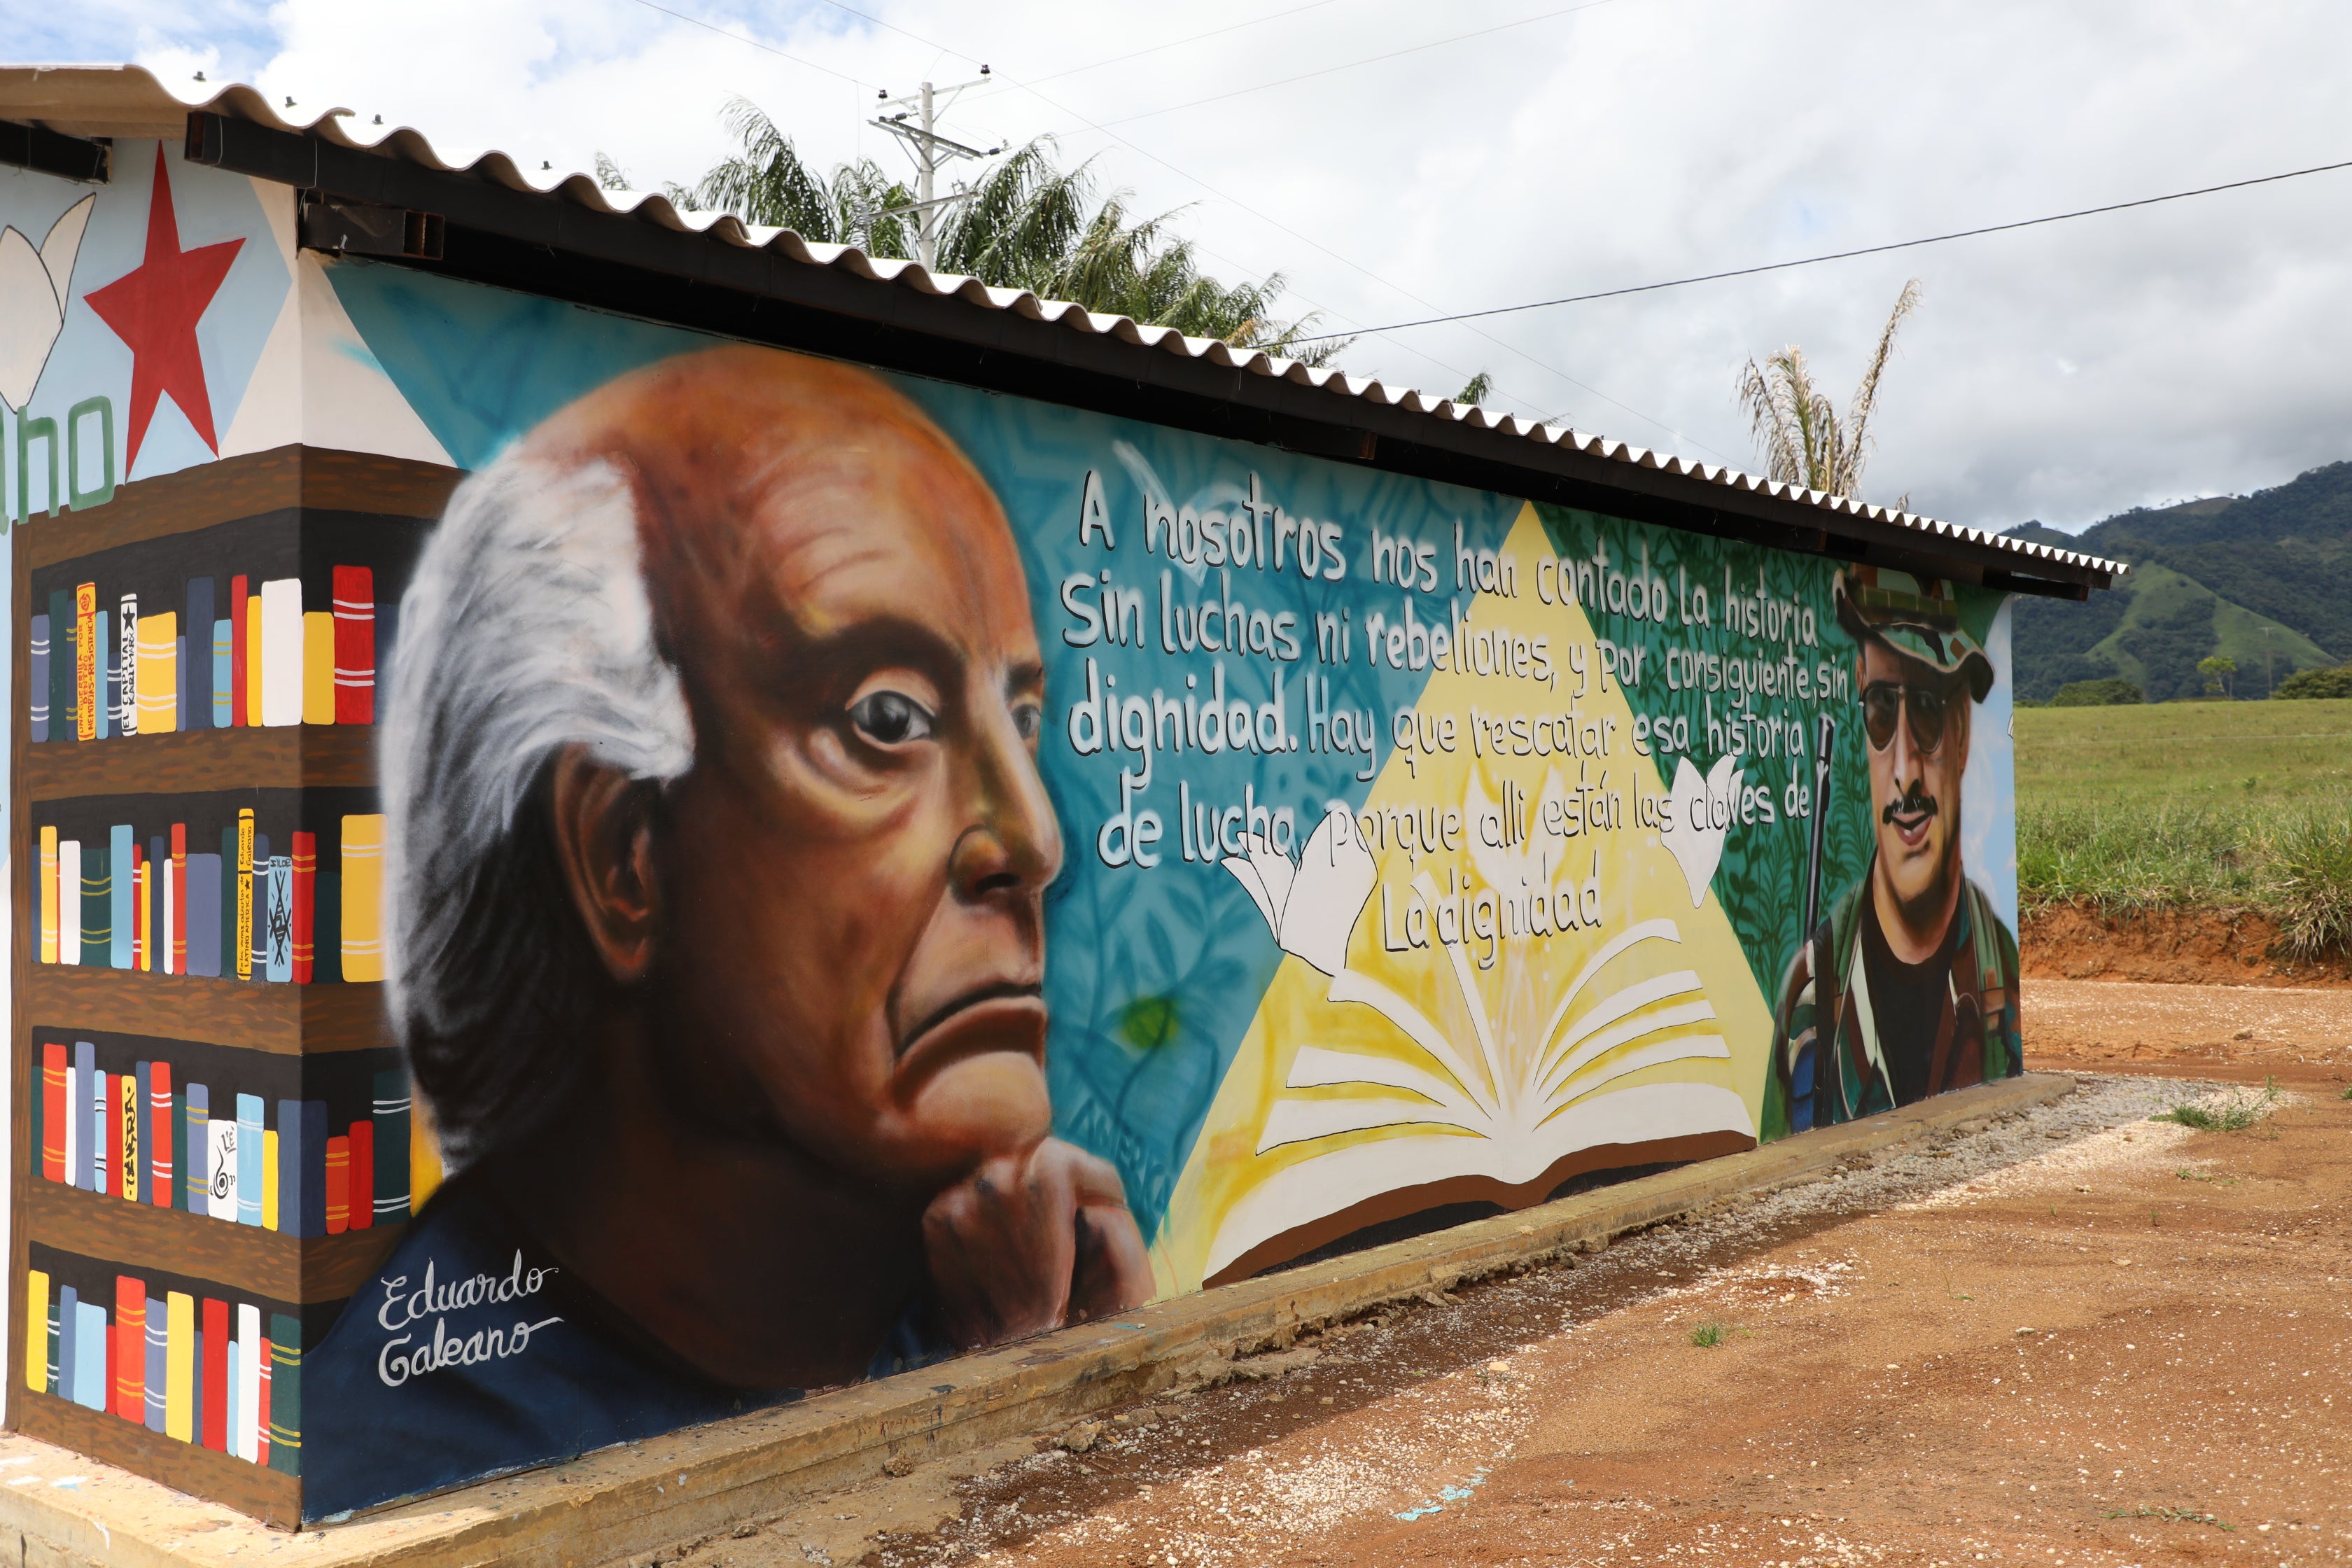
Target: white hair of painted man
(526,629)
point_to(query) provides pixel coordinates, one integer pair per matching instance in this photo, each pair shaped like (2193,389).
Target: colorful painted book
(327,929)
(362,868)
(196,1148)
(130,1347)
(392,1146)
(285,1394)
(109,688)
(122,895)
(139,943)
(56,1347)
(249,1153)
(134,1167)
(38,682)
(181,1196)
(159,1362)
(161,1168)
(251,1352)
(54,1075)
(354,645)
(125,1183)
(90,1356)
(314,1167)
(259,960)
(157,708)
(305,891)
(233,1391)
(202,914)
(70,900)
(281,651)
(269,1216)
(124,647)
(243,926)
(214,1329)
(279,941)
(86,662)
(181,710)
(318,667)
(180,1366)
(197,636)
(361,1195)
(96,906)
(220,1140)
(244,611)
(179,900)
(37,1331)
(87,1097)
(68,1339)
(46,911)
(293,1134)
(225,667)
(77,1116)
(265,1356)
(110,1099)
(339,1186)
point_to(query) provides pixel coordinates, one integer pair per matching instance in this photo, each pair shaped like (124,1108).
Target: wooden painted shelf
(239,1257)
(342,1015)
(271,1496)
(290,756)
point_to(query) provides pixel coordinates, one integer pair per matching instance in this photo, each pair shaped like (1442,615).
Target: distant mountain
(2265,579)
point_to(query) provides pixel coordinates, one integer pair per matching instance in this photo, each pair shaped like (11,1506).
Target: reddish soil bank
(2240,1033)
(2165,946)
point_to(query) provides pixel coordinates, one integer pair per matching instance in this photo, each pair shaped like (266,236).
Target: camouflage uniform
(1815,1082)
(1976,1041)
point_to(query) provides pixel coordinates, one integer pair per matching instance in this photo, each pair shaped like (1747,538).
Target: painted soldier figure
(1909,986)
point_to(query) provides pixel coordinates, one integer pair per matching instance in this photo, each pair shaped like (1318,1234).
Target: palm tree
(1798,429)
(1028,223)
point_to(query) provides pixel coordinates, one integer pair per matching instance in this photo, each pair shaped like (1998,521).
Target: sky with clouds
(1391,168)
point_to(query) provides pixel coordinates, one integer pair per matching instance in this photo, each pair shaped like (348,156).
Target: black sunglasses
(1883,702)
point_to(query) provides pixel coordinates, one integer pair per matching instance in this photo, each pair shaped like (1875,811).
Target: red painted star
(155,308)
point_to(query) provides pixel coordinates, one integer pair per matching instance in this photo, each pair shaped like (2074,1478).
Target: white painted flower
(34,286)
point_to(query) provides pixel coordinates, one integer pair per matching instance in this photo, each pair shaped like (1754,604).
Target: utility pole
(931,152)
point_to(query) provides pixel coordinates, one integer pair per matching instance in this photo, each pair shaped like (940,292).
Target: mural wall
(872,869)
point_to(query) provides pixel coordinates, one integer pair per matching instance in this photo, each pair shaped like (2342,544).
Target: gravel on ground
(2073,1336)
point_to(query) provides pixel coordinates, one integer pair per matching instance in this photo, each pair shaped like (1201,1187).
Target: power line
(770,48)
(1849,255)
(1354,65)
(1194,38)
(1031,88)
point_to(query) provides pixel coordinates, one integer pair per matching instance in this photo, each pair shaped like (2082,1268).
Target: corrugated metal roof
(130,102)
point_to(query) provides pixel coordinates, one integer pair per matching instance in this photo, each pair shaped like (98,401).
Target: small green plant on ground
(2185,1515)
(2346,1095)
(1706,1336)
(2235,1114)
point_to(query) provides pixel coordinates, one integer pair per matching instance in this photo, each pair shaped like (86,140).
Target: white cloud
(2063,372)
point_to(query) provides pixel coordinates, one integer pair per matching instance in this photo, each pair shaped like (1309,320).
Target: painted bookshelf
(300,515)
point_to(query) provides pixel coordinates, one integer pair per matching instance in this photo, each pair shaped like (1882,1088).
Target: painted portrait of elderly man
(1910,987)
(717,856)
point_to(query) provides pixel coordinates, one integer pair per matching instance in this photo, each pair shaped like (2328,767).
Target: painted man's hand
(1031,1241)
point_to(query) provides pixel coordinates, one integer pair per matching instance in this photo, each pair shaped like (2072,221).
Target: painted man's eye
(1027,718)
(890,718)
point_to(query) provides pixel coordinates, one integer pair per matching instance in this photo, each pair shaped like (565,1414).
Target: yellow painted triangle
(1528,990)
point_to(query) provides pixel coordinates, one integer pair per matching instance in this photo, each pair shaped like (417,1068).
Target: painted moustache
(1915,802)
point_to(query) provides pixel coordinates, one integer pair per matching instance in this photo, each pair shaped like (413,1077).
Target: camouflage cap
(1918,618)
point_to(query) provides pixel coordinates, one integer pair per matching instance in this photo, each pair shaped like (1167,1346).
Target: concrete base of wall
(623,1503)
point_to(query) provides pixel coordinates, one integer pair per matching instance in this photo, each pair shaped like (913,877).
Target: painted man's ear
(604,840)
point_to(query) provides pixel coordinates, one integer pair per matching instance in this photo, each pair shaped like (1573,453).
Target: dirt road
(2078,1338)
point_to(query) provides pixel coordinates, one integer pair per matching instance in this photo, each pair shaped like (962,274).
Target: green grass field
(2225,804)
